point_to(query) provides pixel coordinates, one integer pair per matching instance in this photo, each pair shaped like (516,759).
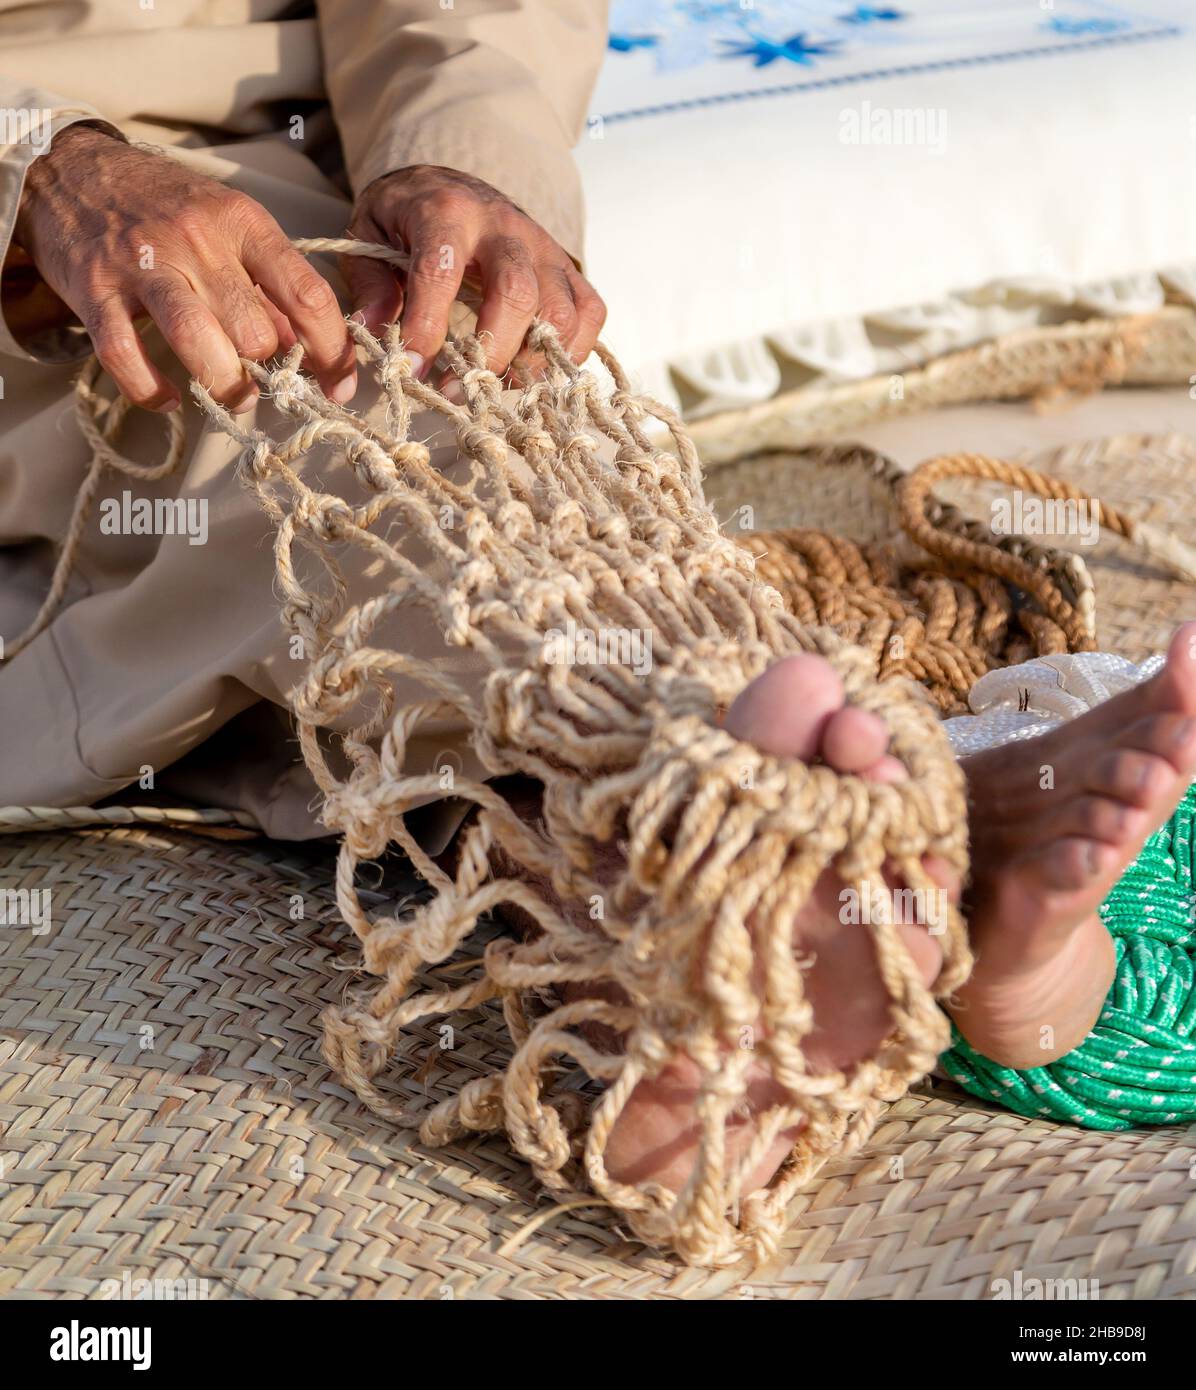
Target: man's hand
(453,224)
(118,232)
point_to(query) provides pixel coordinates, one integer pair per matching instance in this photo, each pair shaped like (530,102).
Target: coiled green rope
(1138,1065)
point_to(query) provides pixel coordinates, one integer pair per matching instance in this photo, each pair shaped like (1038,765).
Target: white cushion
(749,225)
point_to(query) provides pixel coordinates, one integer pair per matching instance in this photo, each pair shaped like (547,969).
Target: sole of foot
(1056,821)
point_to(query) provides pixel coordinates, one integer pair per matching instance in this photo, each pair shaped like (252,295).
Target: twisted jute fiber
(720,844)
(951,601)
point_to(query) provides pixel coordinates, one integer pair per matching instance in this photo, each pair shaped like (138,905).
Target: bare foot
(1055,821)
(795,709)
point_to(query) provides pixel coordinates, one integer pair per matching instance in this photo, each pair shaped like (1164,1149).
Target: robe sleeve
(495,89)
(30,118)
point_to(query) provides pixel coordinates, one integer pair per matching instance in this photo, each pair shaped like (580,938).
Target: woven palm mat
(165,1112)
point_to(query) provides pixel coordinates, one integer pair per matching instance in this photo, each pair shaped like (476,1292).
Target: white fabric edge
(814,355)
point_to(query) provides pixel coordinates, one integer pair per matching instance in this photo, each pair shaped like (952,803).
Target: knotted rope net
(572,519)
(575,517)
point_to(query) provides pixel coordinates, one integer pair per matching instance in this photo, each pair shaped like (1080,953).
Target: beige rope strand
(100,422)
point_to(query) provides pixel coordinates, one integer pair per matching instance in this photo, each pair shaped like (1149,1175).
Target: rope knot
(288,388)
(326,518)
(542,337)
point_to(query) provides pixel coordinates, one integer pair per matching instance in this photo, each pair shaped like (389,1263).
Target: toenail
(1183,733)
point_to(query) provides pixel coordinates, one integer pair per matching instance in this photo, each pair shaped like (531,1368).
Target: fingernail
(376,316)
(358,317)
(1183,732)
(416,359)
(1092,855)
(454,391)
(345,389)
(167,406)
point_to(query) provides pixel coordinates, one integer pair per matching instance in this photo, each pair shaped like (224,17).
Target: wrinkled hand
(119,232)
(452,225)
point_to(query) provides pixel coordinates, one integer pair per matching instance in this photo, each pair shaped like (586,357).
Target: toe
(1174,688)
(786,710)
(1072,864)
(944,875)
(854,740)
(1171,691)
(1103,818)
(886,769)
(657,1133)
(1168,736)
(658,1136)
(1132,776)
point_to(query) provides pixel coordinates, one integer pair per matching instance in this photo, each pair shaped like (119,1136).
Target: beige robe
(168,660)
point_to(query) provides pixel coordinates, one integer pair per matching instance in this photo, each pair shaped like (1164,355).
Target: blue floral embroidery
(796,49)
(683,35)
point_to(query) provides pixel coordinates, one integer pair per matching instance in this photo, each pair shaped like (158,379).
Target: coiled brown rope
(720,844)
(948,614)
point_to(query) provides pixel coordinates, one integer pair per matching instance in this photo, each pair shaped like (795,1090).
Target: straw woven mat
(165,1111)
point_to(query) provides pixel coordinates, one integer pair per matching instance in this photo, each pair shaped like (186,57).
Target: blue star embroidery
(796,50)
(867,14)
(627,43)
